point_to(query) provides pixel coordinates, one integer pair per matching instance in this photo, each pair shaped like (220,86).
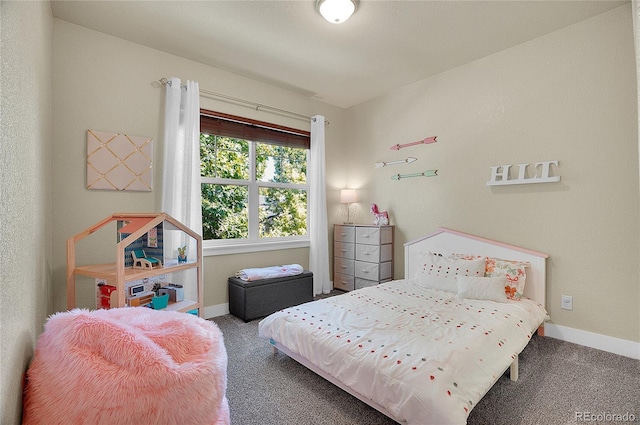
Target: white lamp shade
(348,196)
(336,11)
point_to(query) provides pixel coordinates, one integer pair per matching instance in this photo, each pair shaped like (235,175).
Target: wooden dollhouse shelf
(109,271)
(136,226)
(184,305)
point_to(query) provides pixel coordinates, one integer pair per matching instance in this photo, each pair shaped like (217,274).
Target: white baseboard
(610,344)
(216,310)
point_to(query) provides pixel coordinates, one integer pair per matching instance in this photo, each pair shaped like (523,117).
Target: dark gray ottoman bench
(259,298)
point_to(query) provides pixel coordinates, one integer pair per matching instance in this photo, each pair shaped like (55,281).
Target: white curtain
(181,172)
(318,228)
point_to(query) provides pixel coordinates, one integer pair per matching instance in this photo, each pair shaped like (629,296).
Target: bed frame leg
(274,350)
(513,370)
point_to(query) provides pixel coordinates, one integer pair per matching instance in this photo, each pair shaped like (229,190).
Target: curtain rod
(164,81)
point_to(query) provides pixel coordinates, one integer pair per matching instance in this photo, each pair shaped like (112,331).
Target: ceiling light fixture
(336,11)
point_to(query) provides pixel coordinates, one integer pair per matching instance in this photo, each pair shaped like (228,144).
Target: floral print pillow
(513,270)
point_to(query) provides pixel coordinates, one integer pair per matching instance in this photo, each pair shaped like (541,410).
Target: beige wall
(568,96)
(543,100)
(25,192)
(105,83)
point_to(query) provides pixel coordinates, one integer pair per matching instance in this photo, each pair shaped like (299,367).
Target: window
(254,181)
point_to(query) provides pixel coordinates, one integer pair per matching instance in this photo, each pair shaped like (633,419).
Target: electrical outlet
(567,302)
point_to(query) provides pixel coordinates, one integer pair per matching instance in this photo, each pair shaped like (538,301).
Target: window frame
(238,127)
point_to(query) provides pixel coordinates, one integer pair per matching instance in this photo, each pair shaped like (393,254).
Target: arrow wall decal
(419,142)
(428,173)
(401,161)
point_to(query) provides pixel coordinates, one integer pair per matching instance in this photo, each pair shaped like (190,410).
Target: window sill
(242,248)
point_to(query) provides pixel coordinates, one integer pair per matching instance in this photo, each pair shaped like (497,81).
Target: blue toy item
(158,303)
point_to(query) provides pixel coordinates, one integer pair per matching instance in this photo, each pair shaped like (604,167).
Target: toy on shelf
(140,300)
(182,254)
(160,302)
(380,218)
(141,261)
(107,296)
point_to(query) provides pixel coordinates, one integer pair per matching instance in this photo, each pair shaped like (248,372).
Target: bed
(424,349)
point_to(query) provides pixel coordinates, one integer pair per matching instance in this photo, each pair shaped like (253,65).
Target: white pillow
(482,288)
(437,272)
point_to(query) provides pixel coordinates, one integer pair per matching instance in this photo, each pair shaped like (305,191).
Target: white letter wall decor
(500,174)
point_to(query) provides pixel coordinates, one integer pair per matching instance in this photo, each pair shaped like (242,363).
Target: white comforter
(424,355)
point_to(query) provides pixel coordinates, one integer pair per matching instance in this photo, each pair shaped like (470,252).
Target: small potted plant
(182,254)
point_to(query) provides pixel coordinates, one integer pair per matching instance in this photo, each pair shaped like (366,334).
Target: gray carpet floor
(557,380)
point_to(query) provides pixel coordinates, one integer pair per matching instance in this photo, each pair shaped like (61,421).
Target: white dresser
(362,255)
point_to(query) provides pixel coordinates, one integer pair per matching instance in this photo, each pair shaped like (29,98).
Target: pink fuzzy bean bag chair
(127,366)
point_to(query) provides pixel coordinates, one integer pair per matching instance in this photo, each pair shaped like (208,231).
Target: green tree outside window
(279,179)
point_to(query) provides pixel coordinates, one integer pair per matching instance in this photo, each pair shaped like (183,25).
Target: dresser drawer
(374,235)
(373,271)
(364,283)
(344,234)
(344,282)
(344,250)
(343,265)
(374,253)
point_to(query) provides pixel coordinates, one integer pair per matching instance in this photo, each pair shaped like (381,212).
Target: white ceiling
(385,44)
